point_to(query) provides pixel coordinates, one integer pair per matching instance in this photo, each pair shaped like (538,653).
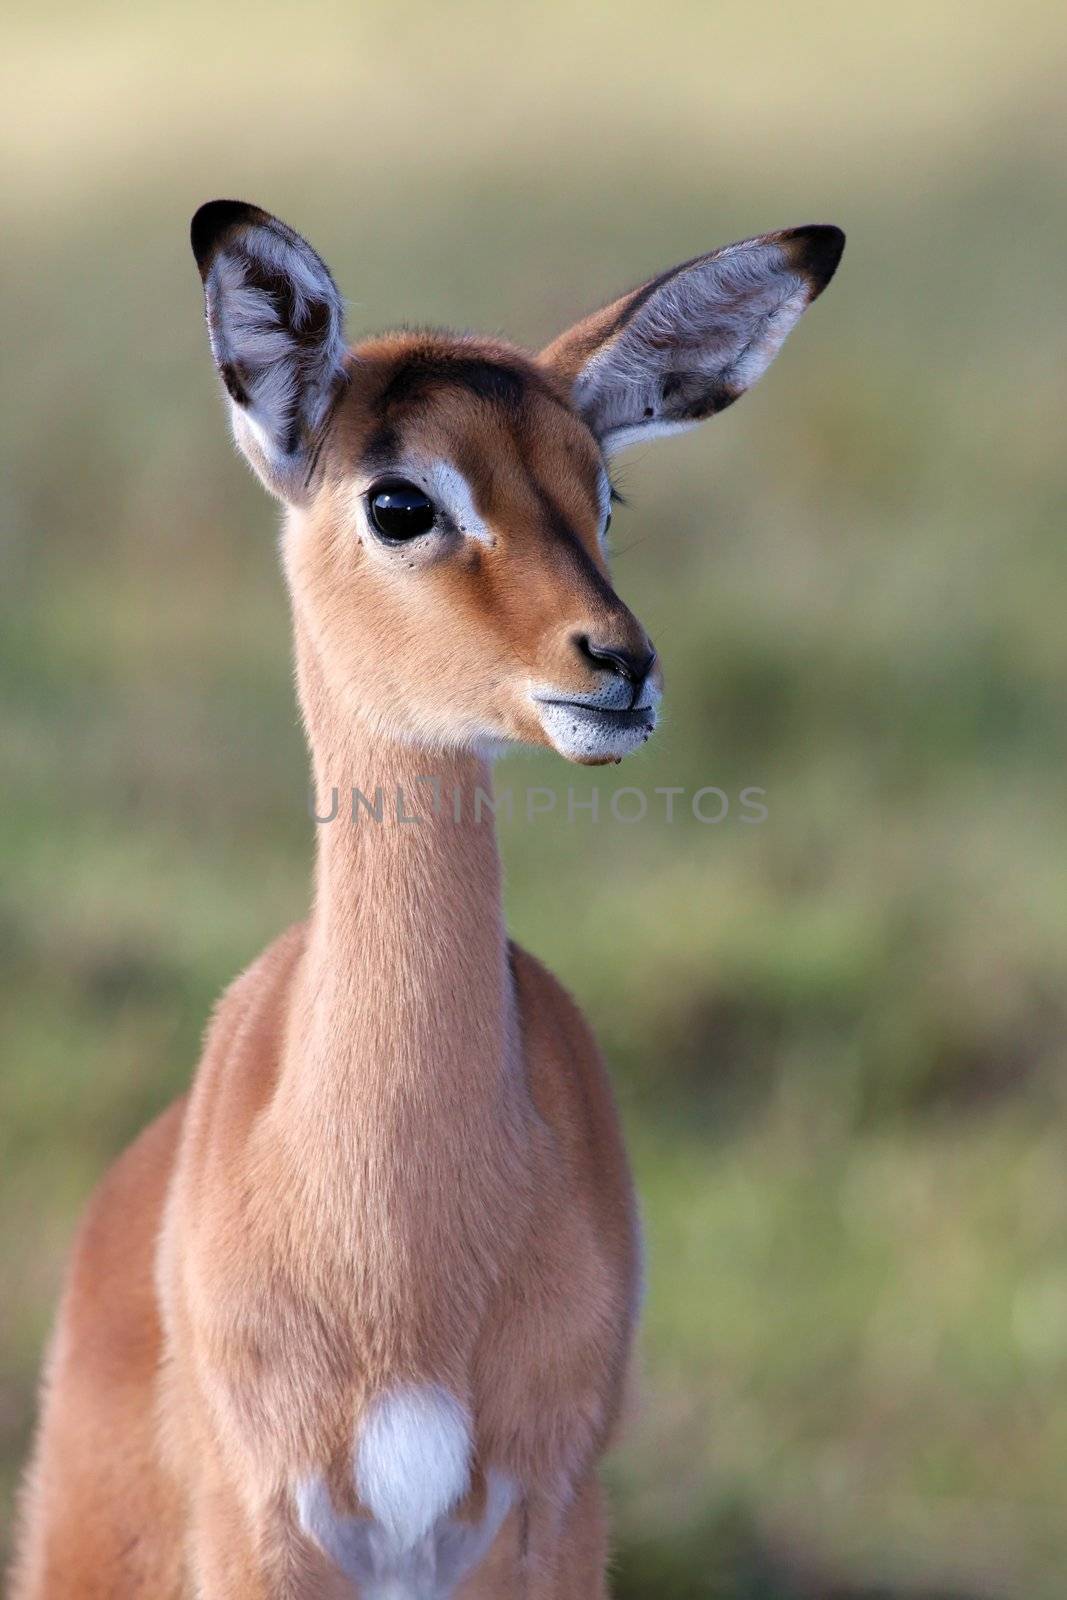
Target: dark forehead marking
(383,446)
(563,531)
(588,464)
(506,385)
(501,383)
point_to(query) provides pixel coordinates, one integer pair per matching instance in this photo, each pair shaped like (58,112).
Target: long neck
(404,1002)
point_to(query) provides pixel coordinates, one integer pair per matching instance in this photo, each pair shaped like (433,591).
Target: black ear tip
(817,249)
(214,219)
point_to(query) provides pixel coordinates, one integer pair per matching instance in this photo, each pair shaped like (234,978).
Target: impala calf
(354,1317)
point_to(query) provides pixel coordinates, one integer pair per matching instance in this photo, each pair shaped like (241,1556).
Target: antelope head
(448,496)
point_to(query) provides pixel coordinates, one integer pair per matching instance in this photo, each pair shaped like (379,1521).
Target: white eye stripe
(446,487)
(449,490)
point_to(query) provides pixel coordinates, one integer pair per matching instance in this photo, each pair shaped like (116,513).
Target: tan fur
(400,1161)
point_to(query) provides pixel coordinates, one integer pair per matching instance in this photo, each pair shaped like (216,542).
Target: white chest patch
(411,1468)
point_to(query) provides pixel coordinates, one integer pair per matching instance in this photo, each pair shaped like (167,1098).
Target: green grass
(838,1036)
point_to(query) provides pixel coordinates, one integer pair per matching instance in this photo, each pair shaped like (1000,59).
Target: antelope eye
(400,511)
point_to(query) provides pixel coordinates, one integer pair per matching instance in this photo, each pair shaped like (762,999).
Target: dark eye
(400,511)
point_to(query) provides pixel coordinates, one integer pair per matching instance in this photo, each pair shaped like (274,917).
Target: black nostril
(634,665)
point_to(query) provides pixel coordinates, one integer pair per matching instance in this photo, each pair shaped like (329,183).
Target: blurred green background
(838,1036)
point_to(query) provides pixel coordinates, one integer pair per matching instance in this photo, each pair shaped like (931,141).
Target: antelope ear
(275,320)
(688,343)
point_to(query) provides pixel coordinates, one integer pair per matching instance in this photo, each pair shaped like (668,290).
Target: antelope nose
(633,665)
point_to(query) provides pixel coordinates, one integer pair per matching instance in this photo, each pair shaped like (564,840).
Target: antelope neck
(405,986)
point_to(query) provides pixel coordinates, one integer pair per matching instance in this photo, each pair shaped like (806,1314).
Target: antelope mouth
(595,733)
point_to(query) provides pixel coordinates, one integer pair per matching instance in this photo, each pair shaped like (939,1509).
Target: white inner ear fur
(724,319)
(640,433)
(288,373)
